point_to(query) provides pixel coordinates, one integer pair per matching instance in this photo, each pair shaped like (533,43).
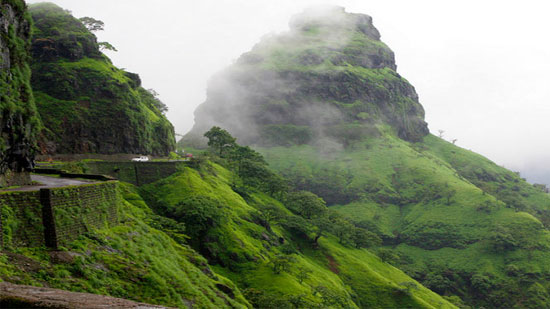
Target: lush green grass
(244,250)
(452,216)
(130,260)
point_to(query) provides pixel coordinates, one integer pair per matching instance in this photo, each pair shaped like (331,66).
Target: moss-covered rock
(18,118)
(86,103)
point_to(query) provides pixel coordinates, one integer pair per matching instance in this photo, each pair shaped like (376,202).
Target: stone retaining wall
(137,173)
(55,216)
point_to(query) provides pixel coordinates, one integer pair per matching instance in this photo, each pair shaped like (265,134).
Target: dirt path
(26,296)
(51,182)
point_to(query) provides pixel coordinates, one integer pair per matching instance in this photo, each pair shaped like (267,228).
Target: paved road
(51,182)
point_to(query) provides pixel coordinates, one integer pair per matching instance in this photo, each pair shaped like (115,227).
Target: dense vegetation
(133,260)
(451,219)
(278,248)
(79,93)
(358,207)
(283,248)
(19,121)
(450,216)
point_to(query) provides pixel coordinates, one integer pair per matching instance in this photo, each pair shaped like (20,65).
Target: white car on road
(141,159)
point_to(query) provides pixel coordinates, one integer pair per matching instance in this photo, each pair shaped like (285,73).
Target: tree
(387,255)
(321,225)
(219,139)
(281,263)
(502,239)
(343,229)
(306,204)
(296,225)
(198,213)
(157,102)
(270,214)
(329,297)
(302,274)
(440,133)
(408,287)
(365,239)
(106,46)
(92,24)
(241,153)
(276,186)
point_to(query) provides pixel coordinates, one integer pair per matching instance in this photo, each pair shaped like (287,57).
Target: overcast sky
(481,68)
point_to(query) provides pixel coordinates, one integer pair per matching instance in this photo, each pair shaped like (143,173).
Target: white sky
(481,68)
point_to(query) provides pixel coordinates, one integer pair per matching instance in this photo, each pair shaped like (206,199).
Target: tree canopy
(93,24)
(219,139)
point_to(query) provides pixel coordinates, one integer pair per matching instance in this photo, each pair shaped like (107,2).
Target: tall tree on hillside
(94,25)
(219,139)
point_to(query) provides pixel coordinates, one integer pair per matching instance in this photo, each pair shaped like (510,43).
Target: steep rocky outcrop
(328,78)
(18,119)
(86,103)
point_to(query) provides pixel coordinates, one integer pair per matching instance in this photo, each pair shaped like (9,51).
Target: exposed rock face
(87,104)
(329,78)
(18,119)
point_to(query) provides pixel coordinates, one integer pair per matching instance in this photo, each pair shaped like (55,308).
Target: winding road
(51,182)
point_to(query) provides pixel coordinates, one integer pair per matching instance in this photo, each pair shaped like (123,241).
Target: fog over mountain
(480,69)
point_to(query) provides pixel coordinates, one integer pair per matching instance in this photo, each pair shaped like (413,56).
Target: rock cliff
(86,103)
(18,118)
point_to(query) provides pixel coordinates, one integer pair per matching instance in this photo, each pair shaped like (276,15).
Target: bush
(198,213)
(306,204)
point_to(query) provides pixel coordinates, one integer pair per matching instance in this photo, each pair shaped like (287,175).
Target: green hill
(280,256)
(325,106)
(79,93)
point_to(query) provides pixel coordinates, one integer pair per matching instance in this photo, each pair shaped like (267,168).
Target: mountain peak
(335,18)
(329,78)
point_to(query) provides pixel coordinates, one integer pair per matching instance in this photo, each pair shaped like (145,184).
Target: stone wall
(137,173)
(77,209)
(56,216)
(21,219)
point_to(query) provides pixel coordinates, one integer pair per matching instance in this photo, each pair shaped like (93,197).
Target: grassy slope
(440,206)
(245,250)
(131,260)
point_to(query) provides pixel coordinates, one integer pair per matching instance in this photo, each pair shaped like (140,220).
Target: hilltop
(87,104)
(326,107)
(328,80)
